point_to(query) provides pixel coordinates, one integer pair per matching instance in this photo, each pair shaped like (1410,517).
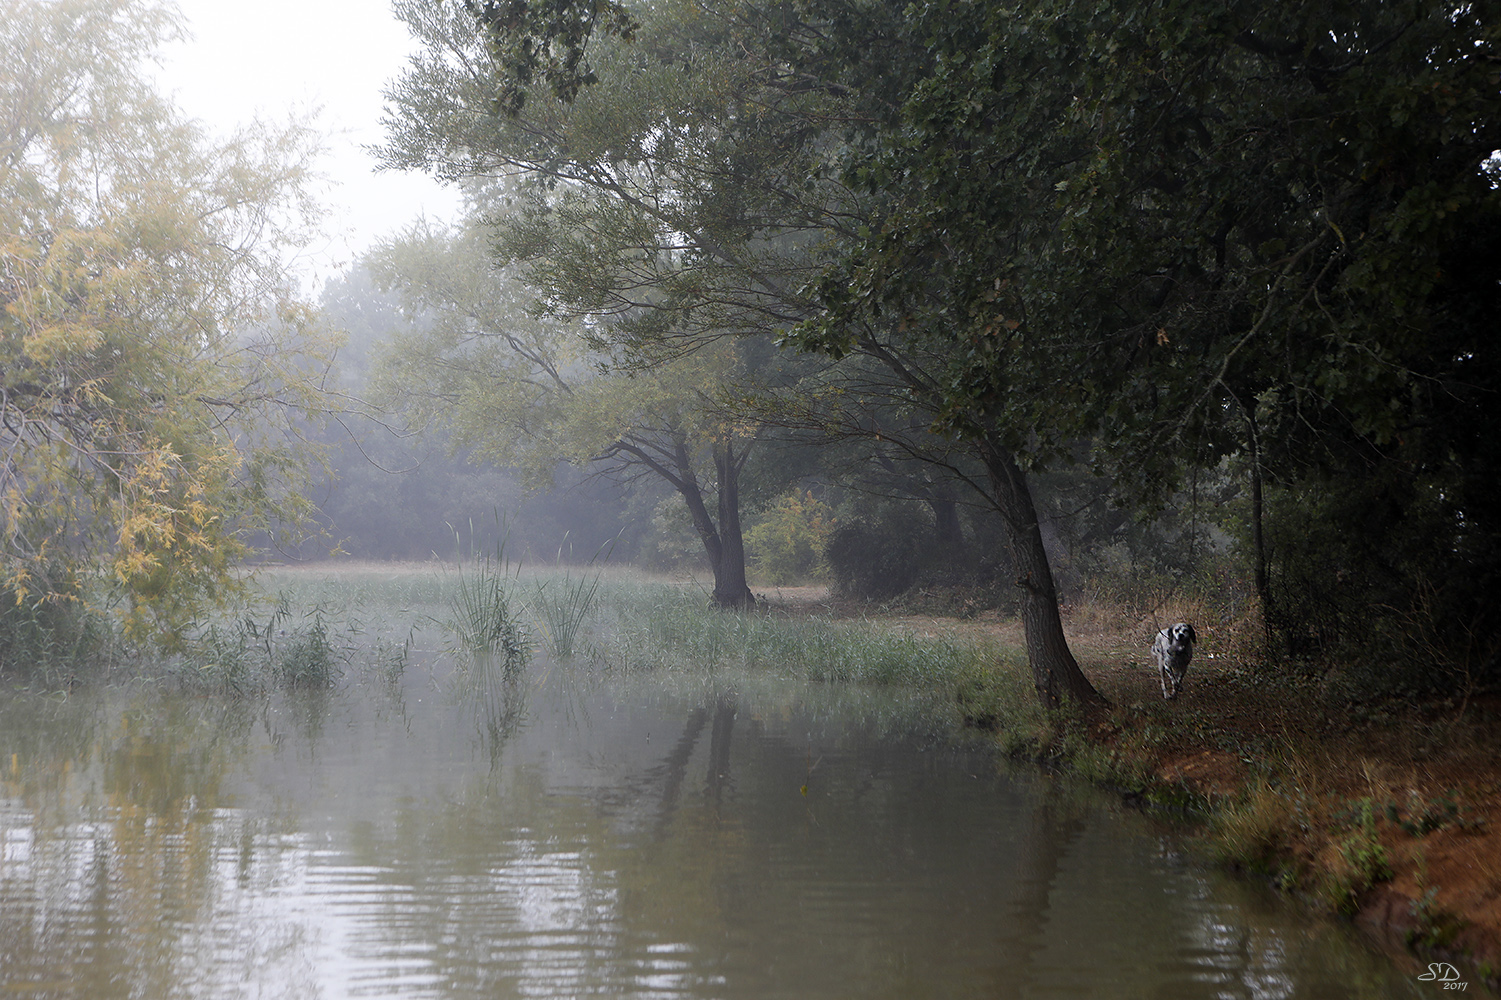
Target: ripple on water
(621,843)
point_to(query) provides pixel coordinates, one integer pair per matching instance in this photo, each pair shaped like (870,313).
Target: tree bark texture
(730,587)
(1055,672)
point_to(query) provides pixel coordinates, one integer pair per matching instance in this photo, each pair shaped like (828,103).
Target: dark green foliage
(1381,571)
(873,559)
(1189,230)
(546,40)
(1365,861)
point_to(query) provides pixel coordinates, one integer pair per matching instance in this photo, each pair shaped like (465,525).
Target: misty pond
(567,835)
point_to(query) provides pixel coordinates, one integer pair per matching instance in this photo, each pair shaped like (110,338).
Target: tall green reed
(483,619)
(561,606)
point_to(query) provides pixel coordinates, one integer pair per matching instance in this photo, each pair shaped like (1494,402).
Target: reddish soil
(1435,764)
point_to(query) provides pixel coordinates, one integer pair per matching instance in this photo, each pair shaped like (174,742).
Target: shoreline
(1384,813)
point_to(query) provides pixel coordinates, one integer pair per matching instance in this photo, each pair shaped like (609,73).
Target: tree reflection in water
(175,846)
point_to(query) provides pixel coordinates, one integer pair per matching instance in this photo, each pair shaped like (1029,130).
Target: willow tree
(150,345)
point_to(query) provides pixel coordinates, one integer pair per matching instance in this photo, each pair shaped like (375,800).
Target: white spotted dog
(1173,648)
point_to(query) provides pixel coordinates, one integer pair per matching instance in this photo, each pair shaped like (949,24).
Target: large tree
(670,212)
(149,340)
(1188,229)
(688,186)
(526,391)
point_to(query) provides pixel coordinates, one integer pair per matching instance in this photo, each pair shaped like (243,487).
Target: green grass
(561,606)
(54,641)
(313,627)
(649,627)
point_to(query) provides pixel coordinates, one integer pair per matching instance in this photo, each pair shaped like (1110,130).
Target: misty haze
(816,500)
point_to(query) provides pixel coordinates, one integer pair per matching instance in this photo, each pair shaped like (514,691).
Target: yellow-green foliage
(135,256)
(786,544)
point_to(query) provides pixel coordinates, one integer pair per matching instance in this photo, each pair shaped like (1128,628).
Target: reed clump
(53,638)
(561,606)
(246,653)
(484,619)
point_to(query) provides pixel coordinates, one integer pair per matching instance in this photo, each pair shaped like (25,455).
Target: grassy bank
(1375,808)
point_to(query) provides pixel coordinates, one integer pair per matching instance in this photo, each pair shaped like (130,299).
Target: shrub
(787,542)
(871,559)
(1361,862)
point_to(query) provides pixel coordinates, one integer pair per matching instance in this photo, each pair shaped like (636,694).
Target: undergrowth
(54,640)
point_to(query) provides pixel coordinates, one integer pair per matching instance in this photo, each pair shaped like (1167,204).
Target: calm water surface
(627,839)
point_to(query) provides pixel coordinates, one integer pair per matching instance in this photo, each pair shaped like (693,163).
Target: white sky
(269,58)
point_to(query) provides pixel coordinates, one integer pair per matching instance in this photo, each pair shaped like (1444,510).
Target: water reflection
(715,840)
(491,686)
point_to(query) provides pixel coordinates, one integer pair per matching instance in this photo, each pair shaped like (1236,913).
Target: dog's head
(1181,635)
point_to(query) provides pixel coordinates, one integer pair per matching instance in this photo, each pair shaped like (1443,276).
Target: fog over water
(291,796)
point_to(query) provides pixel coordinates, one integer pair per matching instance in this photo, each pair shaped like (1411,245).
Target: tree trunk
(1258,545)
(1258,538)
(724,543)
(730,588)
(948,534)
(1055,672)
